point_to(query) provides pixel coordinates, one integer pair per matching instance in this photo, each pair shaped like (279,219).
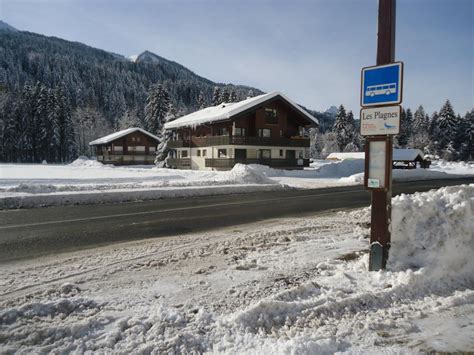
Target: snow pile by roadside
(247,174)
(86,162)
(457,170)
(454,167)
(434,230)
(329,170)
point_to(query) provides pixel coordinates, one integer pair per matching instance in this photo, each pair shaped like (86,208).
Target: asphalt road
(34,232)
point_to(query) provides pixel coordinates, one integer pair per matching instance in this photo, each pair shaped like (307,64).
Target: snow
(227,110)
(439,227)
(116,135)
(286,286)
(87,181)
(398,155)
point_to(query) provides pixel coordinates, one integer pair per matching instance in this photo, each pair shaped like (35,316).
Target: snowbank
(434,230)
(86,162)
(248,174)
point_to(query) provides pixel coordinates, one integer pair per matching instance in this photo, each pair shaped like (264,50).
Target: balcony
(240,140)
(124,159)
(273,163)
(184,163)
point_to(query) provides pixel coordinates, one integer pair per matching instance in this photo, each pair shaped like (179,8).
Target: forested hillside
(98,91)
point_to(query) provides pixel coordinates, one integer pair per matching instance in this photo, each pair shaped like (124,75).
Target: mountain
(331,111)
(6,27)
(109,83)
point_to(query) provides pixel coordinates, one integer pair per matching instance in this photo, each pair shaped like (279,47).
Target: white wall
(199,162)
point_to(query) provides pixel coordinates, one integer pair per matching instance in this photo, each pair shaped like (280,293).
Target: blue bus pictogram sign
(382,85)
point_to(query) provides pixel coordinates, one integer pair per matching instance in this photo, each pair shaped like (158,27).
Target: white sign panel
(380,120)
(377,155)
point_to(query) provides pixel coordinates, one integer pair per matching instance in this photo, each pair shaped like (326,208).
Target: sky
(312,51)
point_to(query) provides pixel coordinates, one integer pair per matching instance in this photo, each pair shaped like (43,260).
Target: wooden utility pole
(381,213)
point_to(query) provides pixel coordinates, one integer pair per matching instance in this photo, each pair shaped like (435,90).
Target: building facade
(130,146)
(268,129)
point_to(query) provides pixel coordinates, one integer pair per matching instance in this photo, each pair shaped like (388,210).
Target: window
(264,153)
(281,152)
(271,116)
(222,131)
(239,131)
(138,139)
(199,152)
(140,148)
(300,154)
(264,132)
(222,153)
(151,149)
(204,152)
(281,133)
(133,139)
(184,154)
(118,148)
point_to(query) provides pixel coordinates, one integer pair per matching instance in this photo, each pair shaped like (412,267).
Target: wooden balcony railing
(184,163)
(240,140)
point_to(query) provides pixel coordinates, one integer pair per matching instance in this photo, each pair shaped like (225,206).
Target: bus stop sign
(382,85)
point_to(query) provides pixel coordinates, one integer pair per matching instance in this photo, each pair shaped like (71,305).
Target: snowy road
(35,232)
(282,286)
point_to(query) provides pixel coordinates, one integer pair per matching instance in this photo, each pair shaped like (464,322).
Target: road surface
(42,231)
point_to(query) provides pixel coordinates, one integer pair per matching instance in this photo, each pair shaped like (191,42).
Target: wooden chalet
(130,146)
(266,129)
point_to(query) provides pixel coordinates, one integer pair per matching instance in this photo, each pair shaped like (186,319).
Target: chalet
(130,146)
(402,158)
(268,129)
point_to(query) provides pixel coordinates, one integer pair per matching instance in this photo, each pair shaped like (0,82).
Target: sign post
(381,85)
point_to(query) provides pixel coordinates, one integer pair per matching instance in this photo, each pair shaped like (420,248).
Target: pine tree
(201,102)
(65,147)
(406,123)
(162,151)
(419,138)
(233,96)
(342,128)
(216,96)
(156,109)
(225,96)
(447,123)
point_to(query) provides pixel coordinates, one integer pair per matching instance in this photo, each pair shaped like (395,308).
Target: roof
(120,134)
(407,154)
(398,155)
(226,111)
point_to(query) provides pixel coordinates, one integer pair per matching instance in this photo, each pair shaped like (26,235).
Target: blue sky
(310,50)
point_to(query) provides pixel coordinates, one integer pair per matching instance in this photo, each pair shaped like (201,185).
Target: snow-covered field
(88,181)
(287,286)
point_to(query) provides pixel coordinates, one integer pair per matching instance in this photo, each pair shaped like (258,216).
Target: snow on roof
(120,134)
(407,154)
(227,110)
(398,155)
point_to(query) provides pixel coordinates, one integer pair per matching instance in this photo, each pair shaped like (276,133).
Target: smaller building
(402,158)
(130,146)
